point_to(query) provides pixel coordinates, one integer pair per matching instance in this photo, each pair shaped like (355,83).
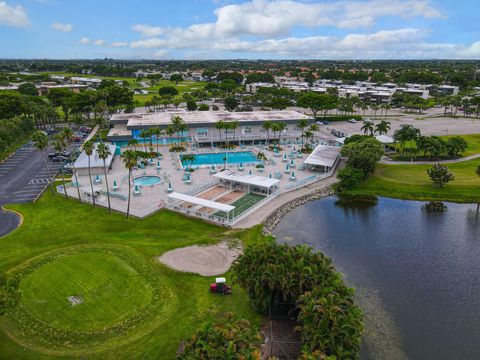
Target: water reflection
(423,267)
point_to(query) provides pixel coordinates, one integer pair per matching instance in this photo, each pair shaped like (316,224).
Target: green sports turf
(243,204)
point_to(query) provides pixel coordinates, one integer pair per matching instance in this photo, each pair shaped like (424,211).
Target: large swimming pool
(244,157)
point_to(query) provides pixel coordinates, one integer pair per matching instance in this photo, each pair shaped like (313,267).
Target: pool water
(147,180)
(244,157)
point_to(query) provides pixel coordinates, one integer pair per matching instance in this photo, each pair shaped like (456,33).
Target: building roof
(256,180)
(384,139)
(202,202)
(323,156)
(211,117)
(95,161)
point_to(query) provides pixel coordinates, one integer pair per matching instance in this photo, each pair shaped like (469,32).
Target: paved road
(23,176)
(9,221)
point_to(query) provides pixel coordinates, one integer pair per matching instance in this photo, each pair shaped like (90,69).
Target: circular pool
(147,180)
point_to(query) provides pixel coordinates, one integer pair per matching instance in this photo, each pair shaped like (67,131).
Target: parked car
(50,131)
(85,129)
(59,158)
(352,121)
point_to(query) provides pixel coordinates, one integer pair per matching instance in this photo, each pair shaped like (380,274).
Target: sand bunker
(204,260)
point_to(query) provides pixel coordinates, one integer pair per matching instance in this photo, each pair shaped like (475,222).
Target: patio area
(283,168)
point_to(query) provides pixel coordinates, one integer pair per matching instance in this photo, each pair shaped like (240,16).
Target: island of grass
(90,285)
(412,182)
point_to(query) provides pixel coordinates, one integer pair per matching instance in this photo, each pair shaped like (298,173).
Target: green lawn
(473,143)
(413,182)
(133,307)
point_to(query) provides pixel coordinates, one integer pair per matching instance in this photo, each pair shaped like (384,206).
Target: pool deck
(154,198)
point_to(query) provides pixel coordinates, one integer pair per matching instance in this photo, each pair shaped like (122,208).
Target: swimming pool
(147,180)
(244,157)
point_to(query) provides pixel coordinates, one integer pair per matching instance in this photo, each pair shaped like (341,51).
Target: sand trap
(204,260)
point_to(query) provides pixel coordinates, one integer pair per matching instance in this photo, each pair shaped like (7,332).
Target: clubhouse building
(201,126)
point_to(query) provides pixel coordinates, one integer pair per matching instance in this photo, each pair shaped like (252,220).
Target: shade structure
(202,202)
(323,156)
(256,180)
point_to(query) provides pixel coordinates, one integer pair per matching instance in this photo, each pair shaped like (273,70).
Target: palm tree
(302,124)
(144,134)
(170,131)
(130,159)
(89,147)
(157,132)
(267,125)
(41,143)
(59,146)
(103,152)
(368,127)
(178,125)
(281,127)
(133,142)
(220,125)
(234,127)
(386,107)
(68,136)
(313,129)
(382,127)
(189,159)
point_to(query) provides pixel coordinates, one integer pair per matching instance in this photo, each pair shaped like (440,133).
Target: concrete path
(260,215)
(9,221)
(450,161)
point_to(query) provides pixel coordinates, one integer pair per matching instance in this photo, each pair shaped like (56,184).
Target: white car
(352,121)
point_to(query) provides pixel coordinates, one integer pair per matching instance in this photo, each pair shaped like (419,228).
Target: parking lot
(23,176)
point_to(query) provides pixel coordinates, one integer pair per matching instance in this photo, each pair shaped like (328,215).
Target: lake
(416,274)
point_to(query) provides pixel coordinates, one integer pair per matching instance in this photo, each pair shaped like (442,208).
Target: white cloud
(119,44)
(99,42)
(85,41)
(147,30)
(62,27)
(14,16)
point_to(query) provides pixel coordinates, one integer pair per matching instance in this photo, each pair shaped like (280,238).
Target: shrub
(191,105)
(273,274)
(231,339)
(330,322)
(350,176)
(455,145)
(203,107)
(440,175)
(363,155)
(167,90)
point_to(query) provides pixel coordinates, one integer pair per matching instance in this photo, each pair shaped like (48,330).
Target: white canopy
(202,202)
(341,140)
(384,139)
(95,161)
(323,156)
(261,181)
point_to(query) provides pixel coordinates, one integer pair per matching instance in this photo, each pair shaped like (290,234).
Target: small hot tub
(147,180)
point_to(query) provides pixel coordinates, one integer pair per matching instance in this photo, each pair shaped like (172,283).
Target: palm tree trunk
(63,182)
(156,137)
(108,190)
(78,185)
(48,174)
(91,183)
(129,191)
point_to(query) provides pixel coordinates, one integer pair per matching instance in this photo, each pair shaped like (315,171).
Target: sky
(254,29)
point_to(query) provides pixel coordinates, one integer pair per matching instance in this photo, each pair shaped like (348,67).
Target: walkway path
(260,215)
(450,161)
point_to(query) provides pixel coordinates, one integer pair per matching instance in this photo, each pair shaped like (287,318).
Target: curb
(19,224)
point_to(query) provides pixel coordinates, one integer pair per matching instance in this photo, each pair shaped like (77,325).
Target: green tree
(41,143)
(440,175)
(104,152)
(28,89)
(313,101)
(89,148)
(230,103)
(220,125)
(129,159)
(382,127)
(363,155)
(350,177)
(167,90)
(368,127)
(157,132)
(144,134)
(191,105)
(170,131)
(404,134)
(176,78)
(455,145)
(302,124)
(267,125)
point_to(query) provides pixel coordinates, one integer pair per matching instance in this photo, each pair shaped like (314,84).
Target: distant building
(447,90)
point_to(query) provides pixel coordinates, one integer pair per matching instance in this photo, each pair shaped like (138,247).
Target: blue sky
(267,29)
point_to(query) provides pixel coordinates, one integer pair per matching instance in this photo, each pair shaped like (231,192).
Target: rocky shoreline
(272,221)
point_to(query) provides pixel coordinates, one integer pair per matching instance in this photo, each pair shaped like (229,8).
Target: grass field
(133,307)
(413,182)
(243,204)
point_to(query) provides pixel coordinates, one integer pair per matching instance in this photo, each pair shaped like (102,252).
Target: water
(147,180)
(417,275)
(244,157)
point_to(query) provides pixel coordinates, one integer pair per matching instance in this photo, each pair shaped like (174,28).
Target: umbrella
(137,189)
(250,172)
(270,176)
(293,175)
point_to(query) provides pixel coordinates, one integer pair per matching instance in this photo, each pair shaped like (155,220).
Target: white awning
(340,140)
(384,139)
(95,161)
(202,202)
(261,181)
(323,156)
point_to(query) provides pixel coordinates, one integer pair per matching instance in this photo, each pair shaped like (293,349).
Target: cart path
(430,162)
(9,221)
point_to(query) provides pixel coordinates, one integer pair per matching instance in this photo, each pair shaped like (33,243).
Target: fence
(309,180)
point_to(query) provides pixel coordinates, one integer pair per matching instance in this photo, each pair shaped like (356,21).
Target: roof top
(384,139)
(203,202)
(205,117)
(323,156)
(95,161)
(248,179)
